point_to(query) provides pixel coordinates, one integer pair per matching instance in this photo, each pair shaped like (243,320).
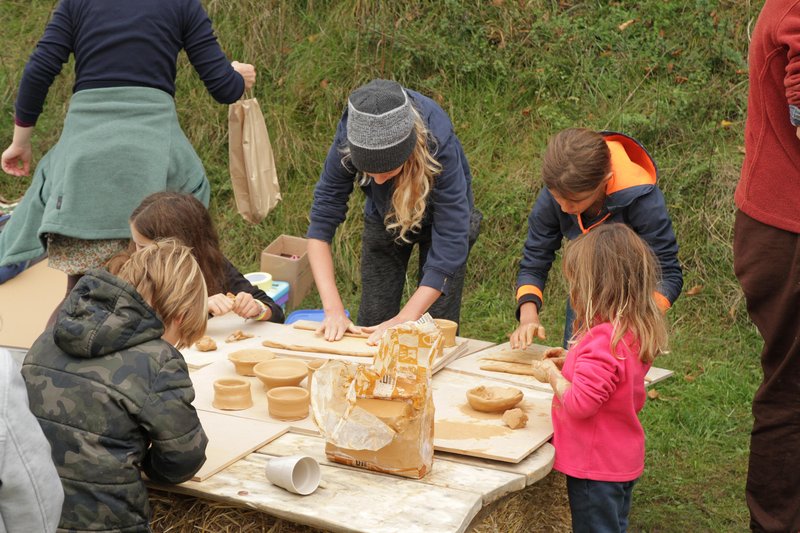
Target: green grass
(510,73)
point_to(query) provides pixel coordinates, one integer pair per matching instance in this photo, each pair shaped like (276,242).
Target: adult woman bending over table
(400,148)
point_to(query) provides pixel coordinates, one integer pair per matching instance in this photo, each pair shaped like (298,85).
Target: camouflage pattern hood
(103,315)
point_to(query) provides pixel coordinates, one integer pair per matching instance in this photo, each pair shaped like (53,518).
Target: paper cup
(297,473)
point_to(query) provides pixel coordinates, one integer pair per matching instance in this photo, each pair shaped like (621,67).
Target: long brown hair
(576,160)
(612,276)
(182,216)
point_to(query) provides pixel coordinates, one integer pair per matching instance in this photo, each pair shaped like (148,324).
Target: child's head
(576,163)
(388,140)
(167,276)
(612,276)
(182,216)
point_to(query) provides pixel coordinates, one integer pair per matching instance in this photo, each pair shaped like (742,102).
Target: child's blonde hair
(168,277)
(576,160)
(412,185)
(612,276)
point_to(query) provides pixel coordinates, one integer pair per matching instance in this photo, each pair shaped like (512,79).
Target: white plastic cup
(297,473)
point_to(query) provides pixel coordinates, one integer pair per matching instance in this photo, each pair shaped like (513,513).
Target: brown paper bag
(252,165)
(380,416)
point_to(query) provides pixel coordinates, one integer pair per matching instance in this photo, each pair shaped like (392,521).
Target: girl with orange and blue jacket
(590,179)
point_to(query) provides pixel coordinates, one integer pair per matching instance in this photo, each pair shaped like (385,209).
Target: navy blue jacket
(632,198)
(449,205)
(119,43)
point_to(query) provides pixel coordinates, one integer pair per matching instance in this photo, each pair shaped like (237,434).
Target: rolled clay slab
(493,399)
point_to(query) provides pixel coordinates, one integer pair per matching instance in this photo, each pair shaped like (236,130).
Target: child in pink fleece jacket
(619,329)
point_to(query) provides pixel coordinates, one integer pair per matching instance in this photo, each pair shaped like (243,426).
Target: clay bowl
(493,399)
(448,328)
(245,360)
(313,365)
(281,372)
(232,394)
(288,403)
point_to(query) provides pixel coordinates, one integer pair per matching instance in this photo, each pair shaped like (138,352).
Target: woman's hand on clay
(219,304)
(246,306)
(376,332)
(247,71)
(524,335)
(335,325)
(557,355)
(16,159)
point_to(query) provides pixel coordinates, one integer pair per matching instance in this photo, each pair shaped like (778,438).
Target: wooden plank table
(222,326)
(352,499)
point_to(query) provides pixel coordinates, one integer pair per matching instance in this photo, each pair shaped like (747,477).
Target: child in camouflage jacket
(113,394)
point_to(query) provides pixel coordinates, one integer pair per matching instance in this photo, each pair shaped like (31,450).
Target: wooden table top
(350,499)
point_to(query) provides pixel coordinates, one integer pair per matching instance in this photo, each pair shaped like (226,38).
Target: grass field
(510,74)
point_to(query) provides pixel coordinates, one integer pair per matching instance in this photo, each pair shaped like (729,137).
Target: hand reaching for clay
(546,371)
(558,355)
(376,332)
(529,327)
(541,369)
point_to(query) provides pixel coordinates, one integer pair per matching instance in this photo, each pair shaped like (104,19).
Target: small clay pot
(493,399)
(448,328)
(232,394)
(245,360)
(313,365)
(281,372)
(288,403)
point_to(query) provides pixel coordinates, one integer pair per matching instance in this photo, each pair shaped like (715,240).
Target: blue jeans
(568,320)
(599,506)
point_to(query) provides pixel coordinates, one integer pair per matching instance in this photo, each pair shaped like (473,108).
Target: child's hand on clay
(541,369)
(557,355)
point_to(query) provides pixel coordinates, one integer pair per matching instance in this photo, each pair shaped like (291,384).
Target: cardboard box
(285,258)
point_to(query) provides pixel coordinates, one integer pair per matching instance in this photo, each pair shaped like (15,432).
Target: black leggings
(384,263)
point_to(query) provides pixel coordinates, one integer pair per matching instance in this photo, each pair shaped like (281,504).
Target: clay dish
(448,328)
(313,365)
(493,399)
(281,372)
(287,403)
(232,394)
(245,360)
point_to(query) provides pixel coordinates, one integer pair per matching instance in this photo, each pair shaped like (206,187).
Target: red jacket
(596,429)
(769,189)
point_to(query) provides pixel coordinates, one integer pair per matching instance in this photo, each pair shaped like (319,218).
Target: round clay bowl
(232,394)
(245,360)
(281,372)
(313,365)
(287,403)
(448,328)
(493,399)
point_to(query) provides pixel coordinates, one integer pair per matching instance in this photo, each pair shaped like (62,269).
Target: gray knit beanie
(380,126)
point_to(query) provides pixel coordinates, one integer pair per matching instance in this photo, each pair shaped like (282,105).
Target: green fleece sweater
(118,145)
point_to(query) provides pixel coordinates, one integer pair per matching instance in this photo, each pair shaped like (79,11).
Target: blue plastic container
(315,315)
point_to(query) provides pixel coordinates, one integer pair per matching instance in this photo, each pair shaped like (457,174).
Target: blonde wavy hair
(412,185)
(612,276)
(168,277)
